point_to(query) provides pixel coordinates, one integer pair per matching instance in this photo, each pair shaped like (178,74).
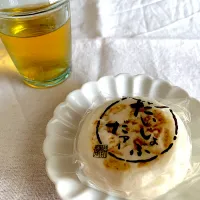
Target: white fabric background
(160,38)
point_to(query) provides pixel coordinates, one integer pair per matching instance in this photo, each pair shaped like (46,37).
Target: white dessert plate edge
(61,129)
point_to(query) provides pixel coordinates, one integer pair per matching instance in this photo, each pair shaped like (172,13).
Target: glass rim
(12,14)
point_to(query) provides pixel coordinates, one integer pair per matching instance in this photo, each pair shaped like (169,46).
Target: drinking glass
(37,37)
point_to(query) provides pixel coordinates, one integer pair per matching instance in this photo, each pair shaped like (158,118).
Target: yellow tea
(40,47)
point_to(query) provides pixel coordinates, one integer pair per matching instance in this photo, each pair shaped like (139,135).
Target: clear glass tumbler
(38,40)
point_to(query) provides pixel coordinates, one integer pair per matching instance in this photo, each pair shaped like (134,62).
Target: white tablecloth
(160,38)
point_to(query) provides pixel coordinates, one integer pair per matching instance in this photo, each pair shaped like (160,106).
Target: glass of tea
(38,40)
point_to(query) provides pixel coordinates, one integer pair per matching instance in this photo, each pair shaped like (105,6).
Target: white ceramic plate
(61,130)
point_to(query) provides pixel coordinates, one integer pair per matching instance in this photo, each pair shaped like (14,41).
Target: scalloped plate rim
(108,76)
